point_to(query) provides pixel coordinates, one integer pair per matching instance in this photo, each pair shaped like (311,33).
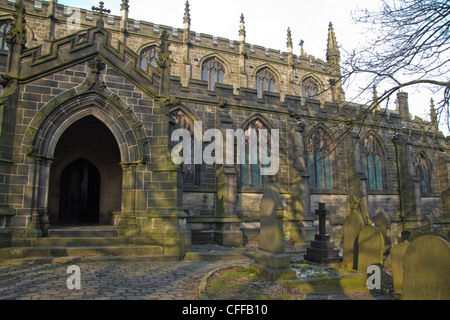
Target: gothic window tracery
(371,160)
(423,172)
(265,81)
(4,29)
(320,163)
(213,72)
(191,172)
(251,170)
(310,89)
(149,56)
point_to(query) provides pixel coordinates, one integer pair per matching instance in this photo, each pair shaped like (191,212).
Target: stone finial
(376,103)
(164,59)
(333,53)
(242,27)
(289,40)
(187,15)
(433,113)
(17,34)
(125,6)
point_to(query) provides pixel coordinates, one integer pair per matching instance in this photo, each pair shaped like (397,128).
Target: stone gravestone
(353,224)
(426,269)
(382,222)
(440,234)
(322,250)
(426,226)
(415,234)
(370,248)
(397,254)
(271,258)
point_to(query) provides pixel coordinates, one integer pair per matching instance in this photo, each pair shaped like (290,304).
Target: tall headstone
(322,250)
(382,222)
(426,269)
(353,224)
(370,248)
(397,254)
(415,234)
(271,258)
(426,226)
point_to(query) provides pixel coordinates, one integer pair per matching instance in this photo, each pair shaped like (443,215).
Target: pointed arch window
(320,163)
(310,89)
(4,29)
(191,172)
(149,56)
(251,170)
(371,160)
(265,81)
(423,172)
(213,72)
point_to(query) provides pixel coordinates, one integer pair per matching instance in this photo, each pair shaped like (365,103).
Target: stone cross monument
(322,250)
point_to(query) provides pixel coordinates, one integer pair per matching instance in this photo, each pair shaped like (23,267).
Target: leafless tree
(410,47)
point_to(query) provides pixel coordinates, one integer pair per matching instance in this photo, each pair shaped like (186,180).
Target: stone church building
(87,111)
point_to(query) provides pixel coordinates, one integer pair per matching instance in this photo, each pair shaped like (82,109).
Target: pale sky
(266,23)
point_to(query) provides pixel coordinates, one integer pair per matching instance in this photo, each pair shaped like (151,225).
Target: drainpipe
(396,140)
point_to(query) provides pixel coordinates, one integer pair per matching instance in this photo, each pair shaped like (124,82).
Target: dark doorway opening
(80,193)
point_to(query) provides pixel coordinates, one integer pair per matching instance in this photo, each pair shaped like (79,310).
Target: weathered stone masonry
(71,94)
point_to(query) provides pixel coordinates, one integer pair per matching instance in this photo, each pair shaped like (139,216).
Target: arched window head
(251,170)
(371,160)
(320,164)
(213,72)
(265,81)
(149,56)
(4,29)
(191,172)
(310,89)
(423,172)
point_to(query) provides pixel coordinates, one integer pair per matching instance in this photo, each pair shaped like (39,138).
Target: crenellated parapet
(289,69)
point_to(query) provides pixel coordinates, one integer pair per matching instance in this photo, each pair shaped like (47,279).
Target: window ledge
(248,189)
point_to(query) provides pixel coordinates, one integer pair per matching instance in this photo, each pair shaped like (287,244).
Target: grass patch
(240,283)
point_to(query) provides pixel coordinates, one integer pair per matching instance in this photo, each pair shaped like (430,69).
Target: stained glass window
(251,170)
(265,81)
(213,72)
(4,29)
(422,169)
(371,162)
(320,164)
(149,56)
(310,89)
(191,172)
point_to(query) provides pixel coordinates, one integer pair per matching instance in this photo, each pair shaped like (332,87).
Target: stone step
(88,242)
(83,232)
(90,251)
(218,256)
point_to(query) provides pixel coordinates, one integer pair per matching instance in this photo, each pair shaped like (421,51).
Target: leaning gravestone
(397,254)
(370,248)
(440,234)
(382,222)
(426,269)
(271,258)
(353,224)
(426,226)
(415,234)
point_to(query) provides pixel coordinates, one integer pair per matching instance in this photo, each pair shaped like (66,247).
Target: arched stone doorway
(120,132)
(85,176)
